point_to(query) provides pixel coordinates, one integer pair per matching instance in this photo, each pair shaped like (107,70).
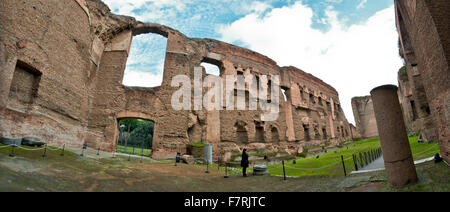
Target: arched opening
(135,136)
(212,66)
(145,63)
(324,132)
(211,69)
(275,135)
(286,94)
(311,99)
(316,133)
(306,132)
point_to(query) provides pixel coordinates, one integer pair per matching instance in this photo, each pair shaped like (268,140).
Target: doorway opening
(275,135)
(259,134)
(135,137)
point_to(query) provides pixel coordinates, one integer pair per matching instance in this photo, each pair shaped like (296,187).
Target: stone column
(397,155)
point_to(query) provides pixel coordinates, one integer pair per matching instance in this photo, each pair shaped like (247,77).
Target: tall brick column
(397,155)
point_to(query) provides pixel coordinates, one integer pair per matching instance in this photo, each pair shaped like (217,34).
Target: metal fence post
(12,151)
(62,153)
(45,151)
(354,162)
(226,171)
(343,165)
(284,171)
(361,163)
(82,150)
(142,152)
(365,158)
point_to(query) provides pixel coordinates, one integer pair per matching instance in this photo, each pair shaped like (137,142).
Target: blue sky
(200,18)
(350,44)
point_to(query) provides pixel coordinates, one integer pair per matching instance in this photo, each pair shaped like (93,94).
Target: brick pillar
(397,155)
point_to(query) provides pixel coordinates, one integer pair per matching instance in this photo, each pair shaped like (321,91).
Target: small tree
(142,134)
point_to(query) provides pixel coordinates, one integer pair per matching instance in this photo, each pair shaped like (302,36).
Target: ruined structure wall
(364,116)
(415,107)
(44,52)
(355,133)
(423,29)
(74,54)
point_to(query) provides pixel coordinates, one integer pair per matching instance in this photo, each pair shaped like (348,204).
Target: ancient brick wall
(413,99)
(44,60)
(363,112)
(67,86)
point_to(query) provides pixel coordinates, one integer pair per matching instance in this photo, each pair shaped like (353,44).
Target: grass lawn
(29,171)
(137,150)
(330,163)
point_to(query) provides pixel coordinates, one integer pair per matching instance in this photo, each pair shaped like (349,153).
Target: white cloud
(129,7)
(142,79)
(258,7)
(362,4)
(352,59)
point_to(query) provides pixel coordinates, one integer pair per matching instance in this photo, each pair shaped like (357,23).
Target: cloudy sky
(350,44)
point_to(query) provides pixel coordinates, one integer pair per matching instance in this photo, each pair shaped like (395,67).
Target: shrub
(402,71)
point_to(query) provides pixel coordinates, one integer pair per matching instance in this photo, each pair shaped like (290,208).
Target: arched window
(145,64)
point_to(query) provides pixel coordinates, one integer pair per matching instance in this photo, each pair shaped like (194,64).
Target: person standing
(244,162)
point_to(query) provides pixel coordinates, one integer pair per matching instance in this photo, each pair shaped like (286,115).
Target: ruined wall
(355,133)
(44,63)
(413,99)
(424,33)
(364,116)
(63,75)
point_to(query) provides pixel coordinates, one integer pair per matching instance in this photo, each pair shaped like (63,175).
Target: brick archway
(134,115)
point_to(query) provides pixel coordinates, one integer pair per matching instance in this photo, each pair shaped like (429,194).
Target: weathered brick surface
(424,30)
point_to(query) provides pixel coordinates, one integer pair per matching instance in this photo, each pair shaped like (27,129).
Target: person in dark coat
(244,162)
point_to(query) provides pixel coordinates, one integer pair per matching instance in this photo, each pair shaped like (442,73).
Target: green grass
(332,161)
(137,151)
(260,154)
(198,143)
(422,150)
